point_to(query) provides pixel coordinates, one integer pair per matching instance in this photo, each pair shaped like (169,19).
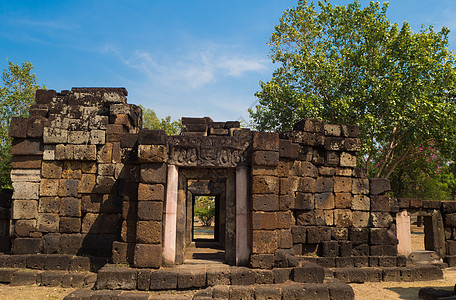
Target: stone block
(304,201)
(324,185)
(308,273)
(382,236)
(18,127)
(57,262)
(334,143)
(154,192)
(48,222)
(324,217)
(26,162)
(68,188)
(150,210)
(347,160)
(25,209)
(265,185)
(329,249)
(305,218)
(299,234)
(26,246)
(360,186)
(116,279)
(218,276)
(152,137)
(332,129)
(104,153)
(352,144)
(380,203)
(380,219)
(23,228)
(78,137)
(54,135)
(339,234)
(91,223)
(72,243)
(64,152)
(152,153)
(25,175)
(49,205)
(361,202)
(150,256)
(26,190)
(153,173)
(24,277)
(332,158)
(97,137)
(324,201)
(316,235)
(69,225)
(149,232)
(264,220)
(306,185)
(361,218)
(79,264)
(70,207)
(51,169)
(264,242)
(85,152)
(87,183)
(281,275)
(379,186)
(191,278)
(343,200)
(342,184)
(343,218)
(242,276)
(98,122)
(26,147)
(265,158)
(267,141)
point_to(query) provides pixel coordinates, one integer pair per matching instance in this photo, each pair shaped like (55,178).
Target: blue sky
(180,58)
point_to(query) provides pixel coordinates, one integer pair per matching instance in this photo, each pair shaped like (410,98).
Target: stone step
(289,291)
(67,279)
(407,274)
(188,277)
(330,290)
(424,257)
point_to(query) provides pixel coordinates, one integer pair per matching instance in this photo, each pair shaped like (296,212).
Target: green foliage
(350,65)
(151,121)
(205,209)
(16,96)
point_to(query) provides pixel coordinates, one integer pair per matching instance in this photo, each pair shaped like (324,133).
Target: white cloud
(194,69)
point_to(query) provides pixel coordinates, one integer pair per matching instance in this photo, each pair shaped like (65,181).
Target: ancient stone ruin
(90,182)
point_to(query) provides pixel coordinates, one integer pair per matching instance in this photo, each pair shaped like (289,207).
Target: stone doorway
(421,244)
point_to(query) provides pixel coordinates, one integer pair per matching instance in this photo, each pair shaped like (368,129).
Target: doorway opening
(205,218)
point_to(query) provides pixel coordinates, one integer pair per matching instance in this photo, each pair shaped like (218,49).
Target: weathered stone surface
(265,202)
(264,220)
(26,147)
(153,173)
(347,160)
(189,278)
(26,190)
(343,200)
(85,152)
(150,210)
(154,192)
(18,127)
(264,242)
(152,153)
(23,227)
(361,202)
(51,169)
(26,162)
(48,222)
(54,135)
(149,232)
(150,256)
(64,152)
(361,218)
(309,273)
(70,207)
(49,204)
(304,201)
(265,158)
(78,137)
(265,185)
(360,186)
(343,217)
(381,219)
(97,137)
(68,188)
(116,279)
(268,141)
(306,185)
(379,186)
(342,185)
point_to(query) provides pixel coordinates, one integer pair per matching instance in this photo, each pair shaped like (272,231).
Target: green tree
(350,65)
(16,95)
(205,209)
(151,121)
